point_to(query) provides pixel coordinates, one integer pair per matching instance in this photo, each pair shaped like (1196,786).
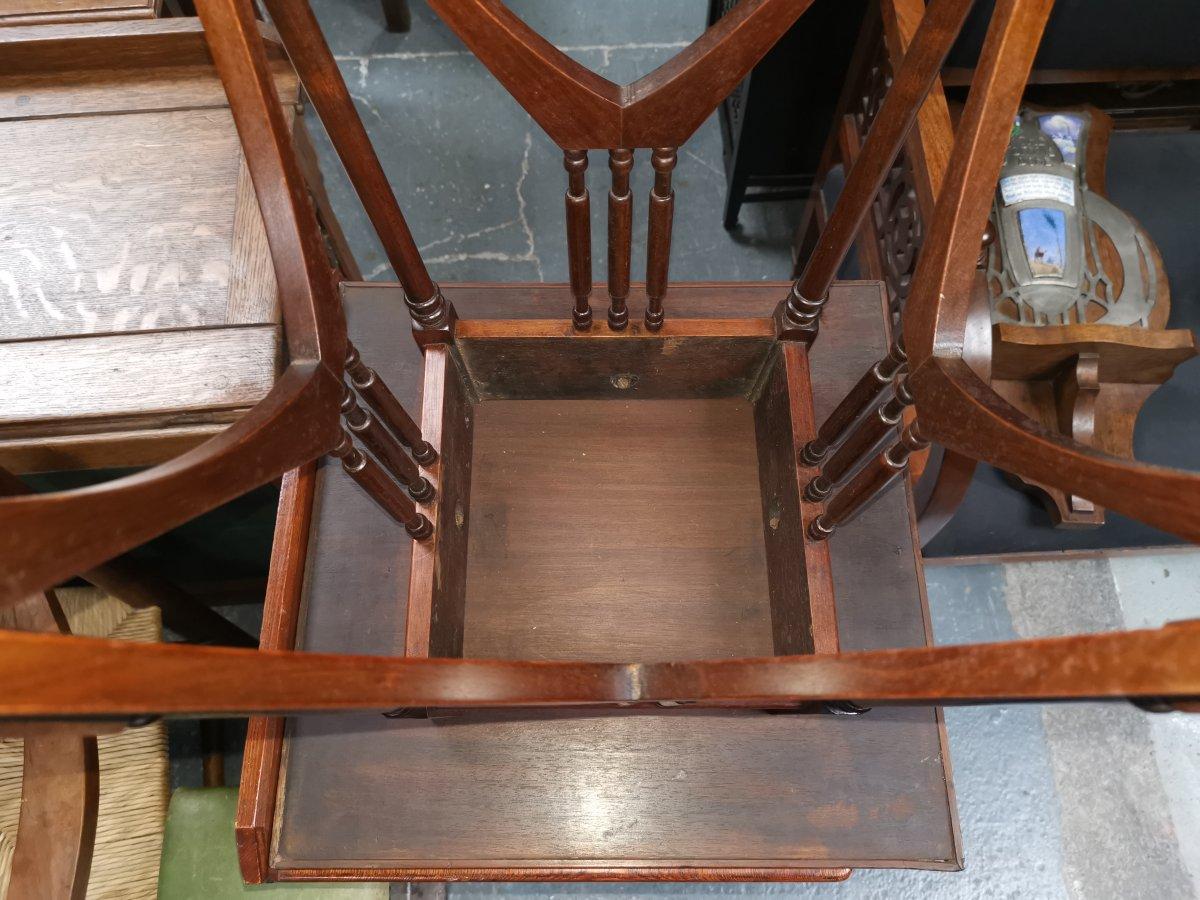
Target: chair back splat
(812,478)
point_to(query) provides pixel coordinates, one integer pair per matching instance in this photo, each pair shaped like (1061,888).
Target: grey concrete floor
(1080,801)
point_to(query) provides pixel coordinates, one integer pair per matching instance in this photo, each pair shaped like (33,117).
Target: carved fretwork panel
(894,229)
(897,223)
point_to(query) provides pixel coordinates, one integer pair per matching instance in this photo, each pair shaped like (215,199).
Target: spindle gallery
(682,521)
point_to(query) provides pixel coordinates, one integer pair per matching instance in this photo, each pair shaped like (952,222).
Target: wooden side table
(573,795)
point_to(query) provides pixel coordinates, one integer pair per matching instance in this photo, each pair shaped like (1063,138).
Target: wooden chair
(1031,369)
(703,432)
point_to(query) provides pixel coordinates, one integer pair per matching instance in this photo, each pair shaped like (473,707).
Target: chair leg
(60,795)
(397,16)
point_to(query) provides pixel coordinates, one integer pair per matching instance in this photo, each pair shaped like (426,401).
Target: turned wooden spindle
(799,314)
(658,248)
(579,235)
(861,440)
(385,405)
(870,483)
(371,477)
(620,237)
(432,315)
(864,394)
(385,448)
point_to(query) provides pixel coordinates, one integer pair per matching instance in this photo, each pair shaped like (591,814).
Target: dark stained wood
(915,76)
(125,578)
(1158,663)
(182,612)
(579,235)
(938,496)
(1129,355)
(579,109)
(1076,396)
(56,831)
(658,247)
(861,440)
(620,236)
(865,393)
(1086,382)
(511,362)
(956,406)
(930,141)
(190,679)
(437,581)
(339,245)
(871,481)
(799,579)
(29,49)
(351,763)
(106,449)
(373,479)
(281,610)
(301,34)
(60,790)
(701,300)
(951,247)
(577,549)
(381,399)
(988,427)
(419,876)
(385,448)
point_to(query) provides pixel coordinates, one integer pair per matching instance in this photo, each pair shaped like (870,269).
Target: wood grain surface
(360,798)
(67,381)
(800,582)
(605,529)
(121,222)
(618,365)
(31,12)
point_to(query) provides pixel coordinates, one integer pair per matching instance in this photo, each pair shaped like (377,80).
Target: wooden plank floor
(574,789)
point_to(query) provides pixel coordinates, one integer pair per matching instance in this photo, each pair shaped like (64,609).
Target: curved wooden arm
(939,304)
(576,107)
(959,410)
(48,537)
(48,675)
(954,406)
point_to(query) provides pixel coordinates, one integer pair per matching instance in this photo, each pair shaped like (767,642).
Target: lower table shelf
(582,794)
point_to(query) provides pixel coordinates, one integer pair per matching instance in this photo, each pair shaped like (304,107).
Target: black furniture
(773,125)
